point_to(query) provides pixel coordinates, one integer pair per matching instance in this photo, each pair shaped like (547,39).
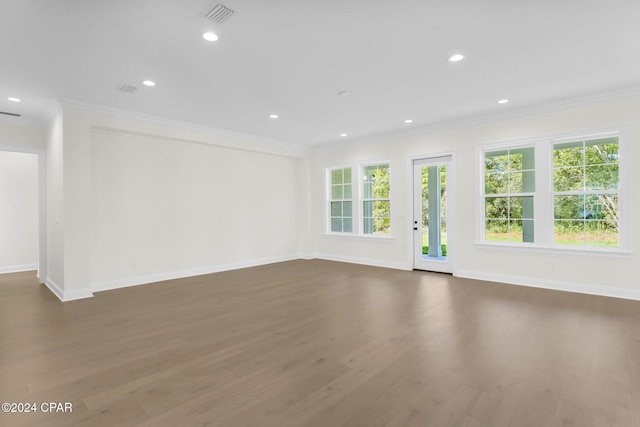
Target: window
(358,200)
(562,193)
(585,192)
(509,186)
(341,202)
(376,205)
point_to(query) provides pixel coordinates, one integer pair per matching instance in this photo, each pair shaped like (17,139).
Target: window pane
(568,154)
(368,225)
(367,209)
(515,182)
(568,232)
(515,231)
(527,207)
(336,225)
(367,189)
(568,207)
(380,189)
(602,206)
(522,159)
(336,192)
(336,176)
(568,179)
(602,177)
(601,233)
(496,161)
(336,208)
(368,172)
(515,207)
(347,191)
(496,183)
(497,230)
(347,209)
(528,230)
(347,225)
(496,207)
(601,151)
(347,175)
(528,182)
(381,226)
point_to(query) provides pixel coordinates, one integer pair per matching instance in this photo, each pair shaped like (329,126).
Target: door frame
(42,204)
(452,181)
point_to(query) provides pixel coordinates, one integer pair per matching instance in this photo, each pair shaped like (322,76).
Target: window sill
(359,236)
(529,247)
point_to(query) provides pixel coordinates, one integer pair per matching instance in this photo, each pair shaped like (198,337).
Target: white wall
(134,200)
(18,243)
(55,212)
(161,206)
(18,211)
(27,137)
(587,273)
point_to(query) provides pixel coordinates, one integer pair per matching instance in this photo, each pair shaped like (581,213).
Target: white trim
(65,296)
(18,268)
(448,158)
(361,236)
(581,288)
(365,261)
(179,274)
(544,192)
(556,249)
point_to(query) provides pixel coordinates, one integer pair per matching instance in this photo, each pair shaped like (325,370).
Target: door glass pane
(434,212)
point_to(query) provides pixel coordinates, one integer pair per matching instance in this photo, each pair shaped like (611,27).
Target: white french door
(433,187)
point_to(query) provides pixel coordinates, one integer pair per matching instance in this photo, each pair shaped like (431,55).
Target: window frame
(544,194)
(362,200)
(509,194)
(357,193)
(330,200)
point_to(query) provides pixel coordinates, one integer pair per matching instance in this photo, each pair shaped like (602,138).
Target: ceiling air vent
(9,114)
(127,88)
(217,12)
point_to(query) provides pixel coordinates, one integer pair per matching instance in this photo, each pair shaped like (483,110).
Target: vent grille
(9,114)
(127,88)
(218,13)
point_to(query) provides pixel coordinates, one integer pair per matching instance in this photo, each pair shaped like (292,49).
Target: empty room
(319,213)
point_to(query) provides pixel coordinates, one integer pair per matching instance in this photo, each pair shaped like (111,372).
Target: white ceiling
(292,57)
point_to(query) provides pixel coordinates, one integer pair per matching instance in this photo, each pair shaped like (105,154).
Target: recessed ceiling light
(408,121)
(148,83)
(455,58)
(12,99)
(343,93)
(210,37)
(503,101)
(343,134)
(273,116)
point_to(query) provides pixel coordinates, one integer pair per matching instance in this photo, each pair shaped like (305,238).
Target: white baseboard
(18,268)
(606,291)
(365,261)
(65,296)
(179,274)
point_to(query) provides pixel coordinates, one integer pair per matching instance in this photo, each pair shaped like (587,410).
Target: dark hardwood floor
(319,343)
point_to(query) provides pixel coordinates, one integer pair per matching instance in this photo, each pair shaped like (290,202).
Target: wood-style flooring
(320,343)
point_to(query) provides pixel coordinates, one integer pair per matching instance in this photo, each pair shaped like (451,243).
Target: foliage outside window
(585,192)
(442,171)
(509,187)
(376,205)
(341,201)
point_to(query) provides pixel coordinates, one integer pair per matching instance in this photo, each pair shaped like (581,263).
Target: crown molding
(487,118)
(286,145)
